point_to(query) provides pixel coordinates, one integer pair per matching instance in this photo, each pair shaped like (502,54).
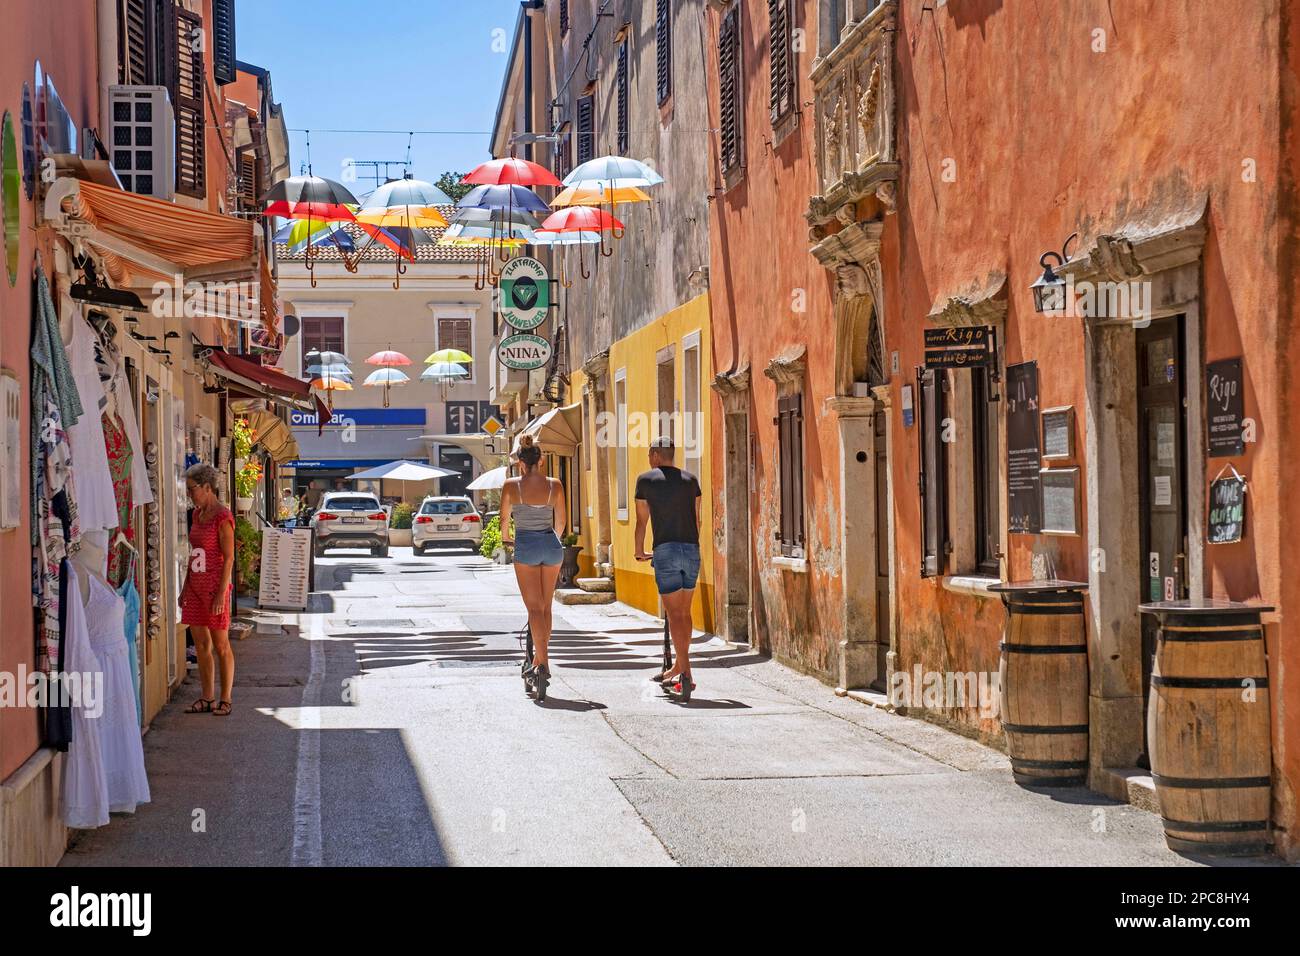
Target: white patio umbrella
(404,471)
(492,479)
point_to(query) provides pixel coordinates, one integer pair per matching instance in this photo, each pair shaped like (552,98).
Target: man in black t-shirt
(668,499)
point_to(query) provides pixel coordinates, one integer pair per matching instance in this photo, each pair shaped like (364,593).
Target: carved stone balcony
(854,92)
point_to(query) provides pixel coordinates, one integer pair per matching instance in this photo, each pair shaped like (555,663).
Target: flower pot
(569,568)
(243,505)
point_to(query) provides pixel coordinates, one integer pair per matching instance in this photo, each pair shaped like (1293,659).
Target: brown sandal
(223,708)
(201,706)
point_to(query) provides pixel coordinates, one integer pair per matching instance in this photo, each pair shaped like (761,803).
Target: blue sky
(388,65)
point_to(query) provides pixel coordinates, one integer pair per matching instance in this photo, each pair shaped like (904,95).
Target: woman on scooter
(536,503)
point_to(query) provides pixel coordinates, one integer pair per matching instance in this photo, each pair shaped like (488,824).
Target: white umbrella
(405,471)
(489,480)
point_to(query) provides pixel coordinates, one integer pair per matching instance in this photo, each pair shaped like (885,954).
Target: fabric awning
(271,432)
(250,378)
(558,432)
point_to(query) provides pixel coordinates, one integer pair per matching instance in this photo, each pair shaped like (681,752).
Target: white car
(350,519)
(447,521)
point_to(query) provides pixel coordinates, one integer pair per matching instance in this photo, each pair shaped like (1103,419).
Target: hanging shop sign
(959,346)
(525,352)
(1024,494)
(525,293)
(1227,509)
(1225,409)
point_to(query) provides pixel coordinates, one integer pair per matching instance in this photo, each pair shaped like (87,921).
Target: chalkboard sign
(1224,408)
(1060,500)
(958,346)
(1227,509)
(1024,497)
(1058,433)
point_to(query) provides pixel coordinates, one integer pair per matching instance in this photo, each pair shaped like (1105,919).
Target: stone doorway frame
(1169,255)
(595,403)
(732,389)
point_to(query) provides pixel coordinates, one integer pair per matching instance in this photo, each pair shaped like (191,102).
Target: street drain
(405,622)
(452,664)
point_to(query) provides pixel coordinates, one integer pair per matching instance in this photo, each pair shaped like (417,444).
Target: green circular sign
(525,293)
(524,352)
(11,184)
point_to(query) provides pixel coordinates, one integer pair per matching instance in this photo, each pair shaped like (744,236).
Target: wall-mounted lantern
(1049,288)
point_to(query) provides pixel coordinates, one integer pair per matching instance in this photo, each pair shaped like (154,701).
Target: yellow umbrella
(480,241)
(404,217)
(449,355)
(593,196)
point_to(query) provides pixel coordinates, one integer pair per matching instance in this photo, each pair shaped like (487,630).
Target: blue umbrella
(503,197)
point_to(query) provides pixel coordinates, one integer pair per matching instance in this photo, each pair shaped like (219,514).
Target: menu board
(1227,510)
(286,568)
(1225,408)
(1060,500)
(1024,500)
(1058,433)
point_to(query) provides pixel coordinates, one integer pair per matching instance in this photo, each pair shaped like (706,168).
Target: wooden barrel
(1208,732)
(1044,683)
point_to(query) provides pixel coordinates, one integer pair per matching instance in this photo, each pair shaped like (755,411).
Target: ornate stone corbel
(788,367)
(732,388)
(596,366)
(986,305)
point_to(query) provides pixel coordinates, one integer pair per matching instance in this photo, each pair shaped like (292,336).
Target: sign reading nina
(524,352)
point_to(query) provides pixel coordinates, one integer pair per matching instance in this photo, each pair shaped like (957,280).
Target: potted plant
(569,568)
(399,535)
(248,556)
(246,480)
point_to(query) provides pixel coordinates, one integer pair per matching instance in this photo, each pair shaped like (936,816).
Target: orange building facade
(891,176)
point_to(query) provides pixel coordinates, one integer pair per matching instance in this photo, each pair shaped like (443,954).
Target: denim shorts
(676,565)
(538,547)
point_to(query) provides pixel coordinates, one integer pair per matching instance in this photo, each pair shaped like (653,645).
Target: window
(729,98)
(666,388)
(223,41)
(321,333)
(446,506)
(564,151)
(623,135)
(620,459)
(142,30)
(564,17)
(247,182)
(789,422)
(984,419)
(187,102)
(586,129)
(931,387)
(663,50)
(693,435)
(457,332)
(781,58)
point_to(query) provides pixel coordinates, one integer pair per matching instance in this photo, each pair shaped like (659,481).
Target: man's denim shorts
(538,547)
(677,566)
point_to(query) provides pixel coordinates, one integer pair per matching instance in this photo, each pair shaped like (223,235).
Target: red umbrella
(388,358)
(511,172)
(580,219)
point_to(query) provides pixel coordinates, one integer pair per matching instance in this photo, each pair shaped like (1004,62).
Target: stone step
(578,596)
(594,585)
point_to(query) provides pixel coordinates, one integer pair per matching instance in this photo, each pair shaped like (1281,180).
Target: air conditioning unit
(144,139)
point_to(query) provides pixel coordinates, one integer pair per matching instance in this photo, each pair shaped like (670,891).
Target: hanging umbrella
(479,230)
(613,171)
(583,237)
(330,371)
(388,358)
(310,197)
(480,216)
(443,371)
(595,195)
(387,377)
(580,219)
(449,355)
(502,197)
(404,217)
(327,357)
(296,232)
(510,172)
(406,192)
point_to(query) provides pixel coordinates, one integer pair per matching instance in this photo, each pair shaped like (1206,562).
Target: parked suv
(446,521)
(351,519)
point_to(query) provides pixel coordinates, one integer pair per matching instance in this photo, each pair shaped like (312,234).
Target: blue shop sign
(360,417)
(338,463)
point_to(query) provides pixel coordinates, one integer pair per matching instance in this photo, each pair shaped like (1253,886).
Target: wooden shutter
(564,17)
(248,191)
(133,43)
(780,57)
(930,386)
(564,152)
(187,102)
(623,136)
(789,421)
(586,131)
(729,88)
(223,41)
(455,334)
(664,50)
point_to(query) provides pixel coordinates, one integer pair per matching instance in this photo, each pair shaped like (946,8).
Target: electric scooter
(534,682)
(678,688)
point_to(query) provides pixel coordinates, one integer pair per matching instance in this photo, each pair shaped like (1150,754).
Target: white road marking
(306,788)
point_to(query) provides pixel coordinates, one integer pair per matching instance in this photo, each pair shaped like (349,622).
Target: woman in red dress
(205,596)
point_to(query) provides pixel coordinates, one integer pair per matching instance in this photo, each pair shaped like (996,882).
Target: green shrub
(248,556)
(490,539)
(570,540)
(402,515)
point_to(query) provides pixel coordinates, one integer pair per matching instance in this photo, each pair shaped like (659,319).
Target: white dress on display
(85,785)
(96,503)
(119,732)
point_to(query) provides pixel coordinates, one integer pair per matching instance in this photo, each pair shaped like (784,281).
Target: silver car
(449,521)
(351,519)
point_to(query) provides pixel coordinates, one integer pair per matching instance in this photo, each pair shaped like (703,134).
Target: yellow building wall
(637,356)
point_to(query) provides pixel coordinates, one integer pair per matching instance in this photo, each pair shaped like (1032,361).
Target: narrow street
(389,726)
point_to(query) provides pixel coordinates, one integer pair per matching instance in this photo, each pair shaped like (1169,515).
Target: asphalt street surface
(389,726)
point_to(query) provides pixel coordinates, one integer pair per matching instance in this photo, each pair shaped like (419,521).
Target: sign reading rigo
(525,293)
(524,352)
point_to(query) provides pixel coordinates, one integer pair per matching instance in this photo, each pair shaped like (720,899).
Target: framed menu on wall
(1058,433)
(1024,501)
(1060,500)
